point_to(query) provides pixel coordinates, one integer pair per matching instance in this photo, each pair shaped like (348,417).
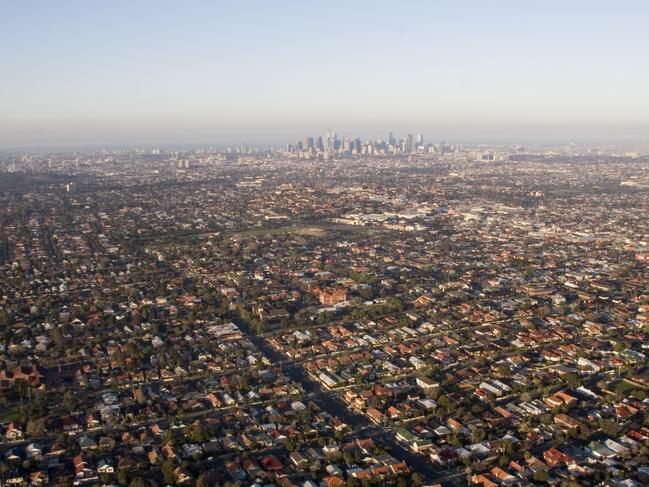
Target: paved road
(335,406)
(361,426)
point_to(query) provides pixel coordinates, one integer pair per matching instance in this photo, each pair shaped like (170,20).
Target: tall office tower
(308,143)
(420,139)
(357,146)
(391,139)
(319,145)
(329,141)
(409,145)
(347,146)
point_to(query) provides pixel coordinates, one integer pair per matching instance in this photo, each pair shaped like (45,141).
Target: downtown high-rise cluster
(332,145)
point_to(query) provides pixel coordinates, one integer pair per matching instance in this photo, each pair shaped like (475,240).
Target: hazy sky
(165,72)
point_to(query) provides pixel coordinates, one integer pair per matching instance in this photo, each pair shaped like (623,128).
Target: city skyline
(324,244)
(219,74)
(429,318)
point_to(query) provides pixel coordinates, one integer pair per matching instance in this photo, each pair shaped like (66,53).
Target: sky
(156,72)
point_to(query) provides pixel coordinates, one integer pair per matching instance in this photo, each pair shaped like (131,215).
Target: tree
(137,482)
(122,477)
(289,444)
(416,479)
(444,402)
(39,407)
(540,475)
(5,319)
(169,471)
(504,370)
(69,402)
(323,318)
(440,412)
(36,427)
(395,304)
(259,326)
(57,338)
(507,447)
(195,432)
(348,458)
(609,427)
(478,435)
(572,380)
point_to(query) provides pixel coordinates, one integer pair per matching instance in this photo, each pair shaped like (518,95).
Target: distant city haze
(123,73)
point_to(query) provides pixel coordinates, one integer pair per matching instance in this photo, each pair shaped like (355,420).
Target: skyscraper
(347,146)
(357,146)
(329,141)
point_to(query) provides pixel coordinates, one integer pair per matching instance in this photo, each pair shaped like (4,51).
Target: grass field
(626,387)
(318,230)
